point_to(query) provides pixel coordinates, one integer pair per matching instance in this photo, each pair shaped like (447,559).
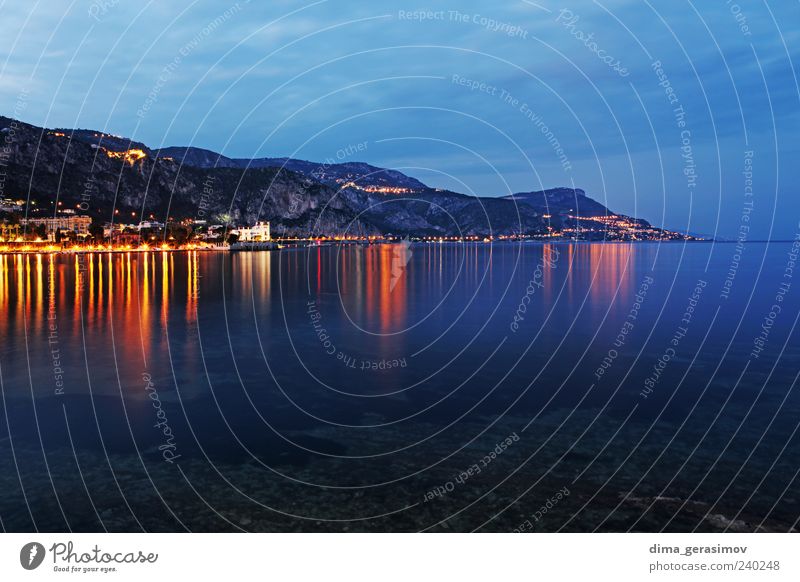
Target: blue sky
(480,98)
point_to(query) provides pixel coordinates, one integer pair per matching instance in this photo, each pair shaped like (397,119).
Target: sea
(444,387)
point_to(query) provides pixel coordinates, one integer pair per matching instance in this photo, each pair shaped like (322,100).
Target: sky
(683,113)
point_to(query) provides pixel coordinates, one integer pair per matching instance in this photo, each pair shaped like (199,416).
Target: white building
(258,233)
(149,224)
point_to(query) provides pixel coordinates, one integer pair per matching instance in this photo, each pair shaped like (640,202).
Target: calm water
(392,388)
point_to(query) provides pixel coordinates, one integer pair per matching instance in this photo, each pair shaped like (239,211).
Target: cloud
(269,89)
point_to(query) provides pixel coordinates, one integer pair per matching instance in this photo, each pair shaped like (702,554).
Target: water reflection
(167,311)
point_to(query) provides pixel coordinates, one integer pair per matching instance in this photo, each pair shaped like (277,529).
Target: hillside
(111,178)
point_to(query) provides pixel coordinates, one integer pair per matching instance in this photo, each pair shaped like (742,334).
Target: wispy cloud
(273,78)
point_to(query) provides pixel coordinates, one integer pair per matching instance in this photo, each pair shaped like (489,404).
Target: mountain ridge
(110,177)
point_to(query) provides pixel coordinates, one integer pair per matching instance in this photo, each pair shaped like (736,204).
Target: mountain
(331,173)
(111,177)
(555,199)
(104,177)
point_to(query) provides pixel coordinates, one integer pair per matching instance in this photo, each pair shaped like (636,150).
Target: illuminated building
(9,232)
(258,233)
(77,224)
(130,156)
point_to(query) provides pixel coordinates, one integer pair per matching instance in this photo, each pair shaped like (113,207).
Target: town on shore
(67,230)
(76,190)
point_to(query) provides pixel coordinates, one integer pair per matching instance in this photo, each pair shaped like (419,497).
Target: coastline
(34,248)
(29,249)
